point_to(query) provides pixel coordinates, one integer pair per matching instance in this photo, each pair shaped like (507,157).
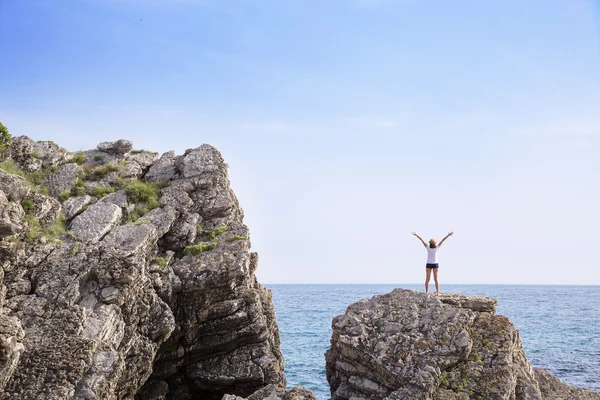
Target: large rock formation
(413,346)
(128,288)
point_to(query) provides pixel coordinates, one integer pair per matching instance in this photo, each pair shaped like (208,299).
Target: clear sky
(346,124)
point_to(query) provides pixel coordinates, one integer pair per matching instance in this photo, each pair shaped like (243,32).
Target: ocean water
(559,325)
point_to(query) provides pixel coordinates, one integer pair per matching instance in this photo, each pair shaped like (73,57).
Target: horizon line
(447,284)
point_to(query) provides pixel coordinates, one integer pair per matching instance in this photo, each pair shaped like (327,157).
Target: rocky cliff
(128,275)
(413,346)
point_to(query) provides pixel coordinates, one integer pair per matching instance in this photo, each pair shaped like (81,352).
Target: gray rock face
(63,180)
(137,163)
(11,216)
(14,187)
(553,388)
(409,345)
(22,152)
(199,161)
(118,147)
(96,222)
(32,156)
(167,307)
(75,205)
(45,208)
(164,169)
(272,392)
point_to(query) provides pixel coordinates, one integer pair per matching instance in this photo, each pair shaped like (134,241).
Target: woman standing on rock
(432,263)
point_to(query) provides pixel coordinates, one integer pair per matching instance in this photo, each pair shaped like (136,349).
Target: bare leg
(428,271)
(437,285)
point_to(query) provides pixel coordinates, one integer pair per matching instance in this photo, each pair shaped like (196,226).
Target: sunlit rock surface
(409,345)
(114,289)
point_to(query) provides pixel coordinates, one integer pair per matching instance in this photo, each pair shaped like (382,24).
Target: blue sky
(346,124)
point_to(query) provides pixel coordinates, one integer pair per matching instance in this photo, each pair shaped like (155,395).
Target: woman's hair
(432,243)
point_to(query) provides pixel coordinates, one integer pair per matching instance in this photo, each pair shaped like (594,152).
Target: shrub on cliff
(144,195)
(5,140)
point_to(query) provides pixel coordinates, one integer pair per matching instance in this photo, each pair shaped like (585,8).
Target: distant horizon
(441,286)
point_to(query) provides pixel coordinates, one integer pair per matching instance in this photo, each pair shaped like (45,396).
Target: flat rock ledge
(415,346)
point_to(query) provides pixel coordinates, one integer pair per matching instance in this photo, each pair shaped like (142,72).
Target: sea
(559,326)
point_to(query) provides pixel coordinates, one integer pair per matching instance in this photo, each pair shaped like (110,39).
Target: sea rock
(272,392)
(161,308)
(409,345)
(553,388)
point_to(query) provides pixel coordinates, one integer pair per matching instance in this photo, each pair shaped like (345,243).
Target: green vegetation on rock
(32,178)
(5,139)
(52,231)
(100,172)
(79,188)
(444,379)
(144,195)
(217,232)
(75,249)
(235,237)
(64,196)
(79,158)
(162,261)
(26,204)
(199,248)
(101,191)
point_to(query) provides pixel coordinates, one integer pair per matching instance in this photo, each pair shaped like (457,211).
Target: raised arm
(445,237)
(422,241)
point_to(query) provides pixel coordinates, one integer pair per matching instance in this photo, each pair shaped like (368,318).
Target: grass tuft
(64,196)
(101,191)
(33,178)
(217,232)
(144,195)
(199,248)
(161,261)
(79,158)
(236,237)
(100,172)
(26,204)
(53,231)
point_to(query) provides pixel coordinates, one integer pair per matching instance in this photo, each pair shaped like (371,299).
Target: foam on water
(559,325)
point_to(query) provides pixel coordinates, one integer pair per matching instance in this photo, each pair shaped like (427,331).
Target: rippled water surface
(559,325)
